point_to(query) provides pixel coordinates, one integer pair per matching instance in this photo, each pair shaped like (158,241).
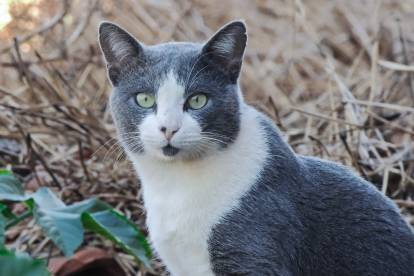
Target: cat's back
(346,219)
(306,216)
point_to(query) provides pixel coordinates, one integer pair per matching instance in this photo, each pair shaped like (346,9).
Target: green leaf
(21,265)
(46,199)
(64,228)
(6,212)
(18,219)
(2,230)
(5,172)
(63,223)
(11,188)
(89,205)
(117,228)
(30,203)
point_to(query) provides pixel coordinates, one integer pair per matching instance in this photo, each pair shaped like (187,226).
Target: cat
(224,194)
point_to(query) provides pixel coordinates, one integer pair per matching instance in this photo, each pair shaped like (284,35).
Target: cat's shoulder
(340,186)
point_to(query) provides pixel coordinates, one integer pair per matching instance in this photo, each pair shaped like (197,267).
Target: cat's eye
(197,101)
(145,100)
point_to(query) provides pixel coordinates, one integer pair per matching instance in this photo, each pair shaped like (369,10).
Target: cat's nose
(168,132)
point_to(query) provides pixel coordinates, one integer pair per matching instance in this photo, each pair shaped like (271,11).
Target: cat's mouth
(169,150)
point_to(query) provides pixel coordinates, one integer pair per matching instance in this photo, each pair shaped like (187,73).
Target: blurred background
(336,76)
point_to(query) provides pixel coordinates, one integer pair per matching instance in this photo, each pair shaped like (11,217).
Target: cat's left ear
(226,48)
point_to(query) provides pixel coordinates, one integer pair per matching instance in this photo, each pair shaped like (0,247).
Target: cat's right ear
(226,48)
(119,48)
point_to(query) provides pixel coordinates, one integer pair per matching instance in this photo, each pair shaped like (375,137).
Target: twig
(28,63)
(404,203)
(321,116)
(49,25)
(319,142)
(7,93)
(93,5)
(23,70)
(49,253)
(401,108)
(43,162)
(351,154)
(82,161)
(404,49)
(392,125)
(396,66)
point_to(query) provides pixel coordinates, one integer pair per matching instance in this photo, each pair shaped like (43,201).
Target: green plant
(21,264)
(64,224)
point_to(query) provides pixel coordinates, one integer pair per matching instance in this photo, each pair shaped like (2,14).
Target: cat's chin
(162,156)
(170,150)
(176,155)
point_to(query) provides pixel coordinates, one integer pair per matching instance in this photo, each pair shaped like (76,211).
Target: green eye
(145,100)
(197,101)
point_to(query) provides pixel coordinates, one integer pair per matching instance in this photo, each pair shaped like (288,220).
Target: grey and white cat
(224,194)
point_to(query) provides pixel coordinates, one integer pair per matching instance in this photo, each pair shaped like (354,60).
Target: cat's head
(175,101)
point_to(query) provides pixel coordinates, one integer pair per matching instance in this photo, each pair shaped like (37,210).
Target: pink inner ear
(224,46)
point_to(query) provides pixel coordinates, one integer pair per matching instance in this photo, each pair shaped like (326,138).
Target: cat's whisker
(115,147)
(193,66)
(128,134)
(114,140)
(137,148)
(200,139)
(212,134)
(194,79)
(126,139)
(133,142)
(189,78)
(118,159)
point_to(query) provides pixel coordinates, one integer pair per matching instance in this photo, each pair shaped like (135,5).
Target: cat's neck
(247,155)
(184,200)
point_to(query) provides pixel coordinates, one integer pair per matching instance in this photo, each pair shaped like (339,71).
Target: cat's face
(175,101)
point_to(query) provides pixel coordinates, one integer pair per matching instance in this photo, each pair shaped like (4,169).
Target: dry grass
(334,75)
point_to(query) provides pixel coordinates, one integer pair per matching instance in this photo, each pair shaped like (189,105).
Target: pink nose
(168,133)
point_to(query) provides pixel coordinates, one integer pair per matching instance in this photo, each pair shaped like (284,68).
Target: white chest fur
(184,200)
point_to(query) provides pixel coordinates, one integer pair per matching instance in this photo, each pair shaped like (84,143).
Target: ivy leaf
(6,212)
(64,225)
(117,228)
(64,228)
(21,264)
(11,188)
(89,205)
(46,199)
(5,172)
(60,222)
(2,230)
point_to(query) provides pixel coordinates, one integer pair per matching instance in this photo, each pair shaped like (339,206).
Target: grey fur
(303,216)
(307,216)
